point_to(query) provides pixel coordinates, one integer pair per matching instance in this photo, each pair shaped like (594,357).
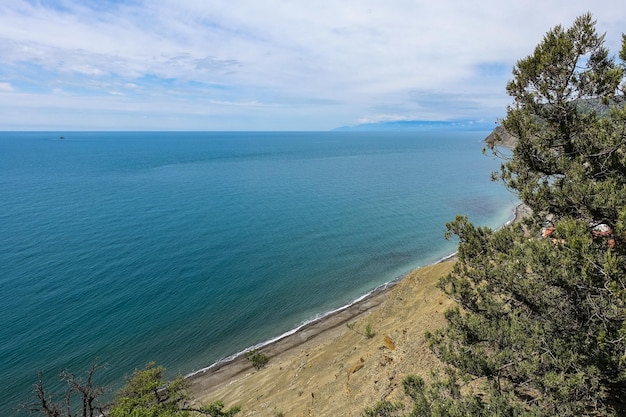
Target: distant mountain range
(421,125)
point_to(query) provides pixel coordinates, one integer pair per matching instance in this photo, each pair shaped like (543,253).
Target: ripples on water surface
(184,248)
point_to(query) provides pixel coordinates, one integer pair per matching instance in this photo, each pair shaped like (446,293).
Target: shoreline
(311,328)
(327,325)
(335,319)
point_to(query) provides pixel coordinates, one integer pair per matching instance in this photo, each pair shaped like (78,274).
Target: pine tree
(541,316)
(147,394)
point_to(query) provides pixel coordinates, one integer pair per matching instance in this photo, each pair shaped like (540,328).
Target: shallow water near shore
(185,248)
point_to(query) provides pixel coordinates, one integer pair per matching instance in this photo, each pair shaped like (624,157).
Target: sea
(186,248)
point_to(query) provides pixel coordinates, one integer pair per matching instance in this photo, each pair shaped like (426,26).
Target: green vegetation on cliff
(540,325)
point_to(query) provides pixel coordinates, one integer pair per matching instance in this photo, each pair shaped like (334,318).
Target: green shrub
(258,359)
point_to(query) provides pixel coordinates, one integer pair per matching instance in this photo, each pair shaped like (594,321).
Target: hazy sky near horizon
(268,65)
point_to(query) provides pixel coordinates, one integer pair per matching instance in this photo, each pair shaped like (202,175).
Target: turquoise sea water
(185,248)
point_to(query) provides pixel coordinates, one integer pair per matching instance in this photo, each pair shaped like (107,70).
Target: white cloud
(6,87)
(328,63)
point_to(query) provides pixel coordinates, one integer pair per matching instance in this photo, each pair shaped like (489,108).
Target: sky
(269,64)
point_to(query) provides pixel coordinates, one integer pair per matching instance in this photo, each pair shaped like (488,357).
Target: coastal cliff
(500,137)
